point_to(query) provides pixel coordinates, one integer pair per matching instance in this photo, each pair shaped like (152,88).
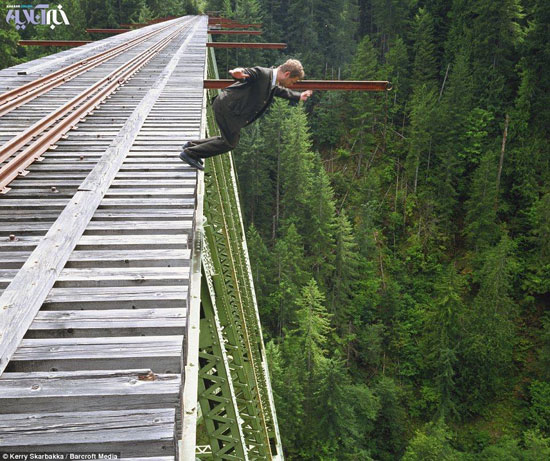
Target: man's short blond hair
(294,67)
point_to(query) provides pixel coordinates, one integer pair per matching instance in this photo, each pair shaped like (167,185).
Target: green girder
(234,387)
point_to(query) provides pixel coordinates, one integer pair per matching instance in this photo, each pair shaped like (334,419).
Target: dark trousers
(217,145)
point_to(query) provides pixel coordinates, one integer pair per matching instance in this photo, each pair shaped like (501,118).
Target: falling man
(243,102)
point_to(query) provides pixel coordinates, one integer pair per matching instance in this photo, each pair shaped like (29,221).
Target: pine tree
(100,14)
(261,263)
(489,325)
(535,70)
(294,166)
(301,33)
(127,11)
(306,349)
(388,20)
(481,227)
(346,264)
(289,273)
(344,415)
(425,67)
(320,226)
(389,428)
(457,142)
(396,70)
(419,158)
(313,326)
(8,45)
(287,150)
(492,33)
(254,163)
(442,330)
(288,393)
(431,443)
(541,228)
(163,8)
(365,118)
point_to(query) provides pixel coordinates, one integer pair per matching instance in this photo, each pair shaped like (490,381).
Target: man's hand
(238,73)
(305,95)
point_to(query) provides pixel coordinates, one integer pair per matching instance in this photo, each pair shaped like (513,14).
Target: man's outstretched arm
(242,73)
(291,94)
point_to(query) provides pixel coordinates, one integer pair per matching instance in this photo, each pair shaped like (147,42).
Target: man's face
(286,80)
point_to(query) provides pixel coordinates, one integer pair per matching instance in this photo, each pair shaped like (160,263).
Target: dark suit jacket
(245,100)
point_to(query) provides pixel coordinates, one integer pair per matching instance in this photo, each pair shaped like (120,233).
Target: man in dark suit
(243,102)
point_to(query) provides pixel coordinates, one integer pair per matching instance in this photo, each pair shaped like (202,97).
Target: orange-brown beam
(272,46)
(53,42)
(349,85)
(218,20)
(236,32)
(236,25)
(107,31)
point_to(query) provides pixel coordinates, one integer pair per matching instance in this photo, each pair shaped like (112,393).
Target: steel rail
(20,140)
(119,76)
(13,145)
(18,96)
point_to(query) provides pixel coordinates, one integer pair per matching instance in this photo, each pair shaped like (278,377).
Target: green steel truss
(234,389)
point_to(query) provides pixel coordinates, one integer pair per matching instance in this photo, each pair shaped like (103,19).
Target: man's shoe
(191,159)
(189,144)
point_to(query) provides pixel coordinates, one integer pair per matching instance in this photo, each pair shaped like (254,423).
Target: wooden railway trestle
(127,307)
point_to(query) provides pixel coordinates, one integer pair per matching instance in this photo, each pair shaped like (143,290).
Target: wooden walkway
(95,254)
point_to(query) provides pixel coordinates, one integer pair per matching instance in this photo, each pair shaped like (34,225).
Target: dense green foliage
(400,242)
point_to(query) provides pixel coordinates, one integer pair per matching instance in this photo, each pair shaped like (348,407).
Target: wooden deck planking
(120,299)
(148,432)
(87,391)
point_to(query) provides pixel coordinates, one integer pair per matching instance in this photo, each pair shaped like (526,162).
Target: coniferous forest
(399,241)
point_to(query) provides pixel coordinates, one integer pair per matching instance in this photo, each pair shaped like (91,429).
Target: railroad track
(28,145)
(19,95)
(95,250)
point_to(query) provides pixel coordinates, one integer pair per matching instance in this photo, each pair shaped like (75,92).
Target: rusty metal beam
(107,31)
(236,25)
(53,42)
(272,46)
(219,19)
(347,85)
(235,32)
